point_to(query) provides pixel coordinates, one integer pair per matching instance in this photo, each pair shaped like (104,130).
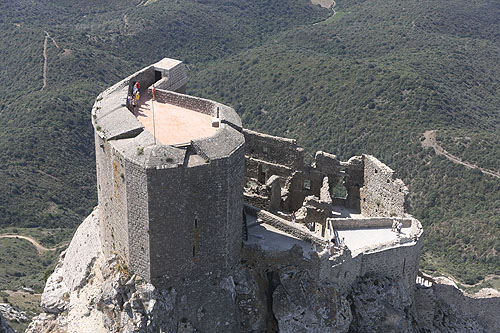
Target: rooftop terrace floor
(355,239)
(271,239)
(174,124)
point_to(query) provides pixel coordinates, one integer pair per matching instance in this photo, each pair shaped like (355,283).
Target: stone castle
(217,228)
(175,210)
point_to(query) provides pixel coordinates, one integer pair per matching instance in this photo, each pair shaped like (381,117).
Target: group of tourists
(333,244)
(134,96)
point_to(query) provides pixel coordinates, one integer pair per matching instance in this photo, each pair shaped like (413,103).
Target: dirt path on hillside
(329,4)
(39,247)
(45,42)
(430,141)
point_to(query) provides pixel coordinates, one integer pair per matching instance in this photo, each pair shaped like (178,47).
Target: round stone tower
(169,175)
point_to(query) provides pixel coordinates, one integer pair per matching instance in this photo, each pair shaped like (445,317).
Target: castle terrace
(174,124)
(360,238)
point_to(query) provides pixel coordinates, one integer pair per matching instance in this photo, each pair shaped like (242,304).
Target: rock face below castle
(104,296)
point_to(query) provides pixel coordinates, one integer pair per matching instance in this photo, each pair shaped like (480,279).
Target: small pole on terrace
(153,109)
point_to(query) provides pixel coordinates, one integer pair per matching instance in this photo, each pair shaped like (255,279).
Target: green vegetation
(22,266)
(371,81)
(476,147)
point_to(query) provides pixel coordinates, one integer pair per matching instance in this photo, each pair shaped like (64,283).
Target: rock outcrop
(4,328)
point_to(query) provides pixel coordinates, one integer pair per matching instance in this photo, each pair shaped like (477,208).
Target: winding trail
(45,42)
(39,247)
(329,4)
(430,141)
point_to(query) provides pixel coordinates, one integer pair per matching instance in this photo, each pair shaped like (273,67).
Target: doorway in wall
(157,76)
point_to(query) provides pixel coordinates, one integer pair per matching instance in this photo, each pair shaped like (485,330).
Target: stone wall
(294,229)
(138,218)
(397,260)
(301,185)
(382,194)
(195,217)
(484,310)
(112,196)
(145,77)
(367,223)
(201,105)
(273,149)
(262,170)
(174,79)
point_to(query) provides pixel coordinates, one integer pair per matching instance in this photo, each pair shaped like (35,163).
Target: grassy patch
(334,18)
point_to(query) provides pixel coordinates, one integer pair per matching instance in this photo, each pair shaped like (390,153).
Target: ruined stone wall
(262,170)
(273,149)
(301,185)
(382,194)
(112,196)
(295,229)
(195,216)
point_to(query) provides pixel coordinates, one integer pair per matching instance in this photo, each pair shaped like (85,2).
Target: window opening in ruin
(262,173)
(157,76)
(265,150)
(376,171)
(388,181)
(196,236)
(339,191)
(307,184)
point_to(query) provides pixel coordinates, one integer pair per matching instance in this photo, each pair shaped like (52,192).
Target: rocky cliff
(4,328)
(90,293)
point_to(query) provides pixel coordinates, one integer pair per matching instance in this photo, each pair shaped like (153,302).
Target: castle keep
(169,210)
(188,198)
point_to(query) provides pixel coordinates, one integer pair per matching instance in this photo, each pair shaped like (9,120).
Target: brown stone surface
(174,124)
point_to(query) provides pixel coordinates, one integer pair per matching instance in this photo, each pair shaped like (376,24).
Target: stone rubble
(11,313)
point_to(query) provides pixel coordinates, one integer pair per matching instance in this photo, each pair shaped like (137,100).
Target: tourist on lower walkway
(400,226)
(329,247)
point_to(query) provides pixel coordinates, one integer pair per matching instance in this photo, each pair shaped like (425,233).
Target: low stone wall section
(367,223)
(294,229)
